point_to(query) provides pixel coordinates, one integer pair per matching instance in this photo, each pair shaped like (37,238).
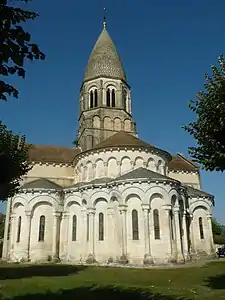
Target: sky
(166,48)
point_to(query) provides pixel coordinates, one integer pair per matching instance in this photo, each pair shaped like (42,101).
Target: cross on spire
(104,22)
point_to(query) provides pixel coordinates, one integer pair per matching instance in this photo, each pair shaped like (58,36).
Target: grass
(61,282)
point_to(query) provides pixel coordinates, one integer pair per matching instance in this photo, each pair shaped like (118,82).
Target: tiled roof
(197,193)
(52,154)
(124,139)
(180,163)
(41,183)
(144,173)
(104,60)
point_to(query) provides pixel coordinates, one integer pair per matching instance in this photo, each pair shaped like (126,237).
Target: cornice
(91,152)
(54,164)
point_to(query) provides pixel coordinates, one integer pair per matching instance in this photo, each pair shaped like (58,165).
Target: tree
(13,162)
(2,226)
(216,227)
(15,45)
(15,48)
(218,232)
(209,128)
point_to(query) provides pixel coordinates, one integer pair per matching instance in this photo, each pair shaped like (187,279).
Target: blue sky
(166,48)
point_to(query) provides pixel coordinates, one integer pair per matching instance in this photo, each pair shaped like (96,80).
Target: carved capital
(122,207)
(91,210)
(57,214)
(28,213)
(65,215)
(145,207)
(167,207)
(13,216)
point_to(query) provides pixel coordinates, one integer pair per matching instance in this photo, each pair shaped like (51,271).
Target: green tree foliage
(13,161)
(216,227)
(2,226)
(218,232)
(209,128)
(15,44)
(15,48)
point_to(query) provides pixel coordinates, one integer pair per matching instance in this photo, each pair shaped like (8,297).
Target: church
(113,199)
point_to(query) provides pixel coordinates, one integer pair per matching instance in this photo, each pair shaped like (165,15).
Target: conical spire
(104,60)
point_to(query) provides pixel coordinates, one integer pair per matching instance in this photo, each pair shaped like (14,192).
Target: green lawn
(60,282)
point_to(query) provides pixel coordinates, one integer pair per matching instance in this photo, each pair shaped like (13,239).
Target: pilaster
(167,210)
(185,237)
(180,257)
(147,257)
(27,232)
(55,235)
(123,213)
(91,256)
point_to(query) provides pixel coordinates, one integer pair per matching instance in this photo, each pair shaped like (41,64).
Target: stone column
(14,231)
(185,237)
(12,236)
(192,237)
(55,234)
(167,209)
(110,234)
(94,170)
(179,254)
(5,249)
(101,102)
(27,232)
(119,167)
(147,257)
(132,165)
(64,231)
(106,169)
(123,212)
(210,234)
(91,256)
(85,174)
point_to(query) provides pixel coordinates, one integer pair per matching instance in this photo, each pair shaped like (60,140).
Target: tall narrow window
(91,99)
(171,225)
(96,98)
(87,227)
(108,97)
(113,98)
(156,224)
(135,224)
(124,99)
(201,228)
(18,230)
(74,228)
(41,236)
(101,227)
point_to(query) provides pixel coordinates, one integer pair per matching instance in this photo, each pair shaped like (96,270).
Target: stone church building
(114,198)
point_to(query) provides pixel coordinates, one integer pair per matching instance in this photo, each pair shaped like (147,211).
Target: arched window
(108,97)
(101,227)
(124,99)
(201,228)
(74,228)
(18,230)
(91,99)
(96,98)
(171,225)
(135,224)
(113,98)
(41,236)
(87,227)
(156,224)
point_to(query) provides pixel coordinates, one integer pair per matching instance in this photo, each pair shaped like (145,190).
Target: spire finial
(104,22)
